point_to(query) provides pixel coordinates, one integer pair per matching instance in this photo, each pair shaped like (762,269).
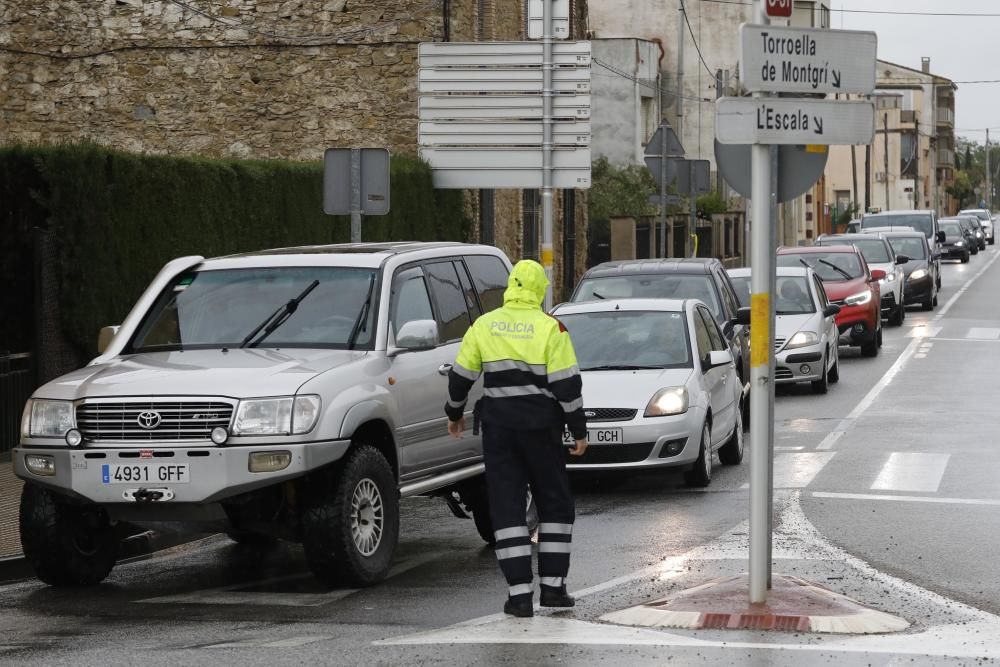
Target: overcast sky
(960,48)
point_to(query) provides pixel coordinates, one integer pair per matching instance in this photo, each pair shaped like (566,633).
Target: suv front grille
(152,420)
(609,414)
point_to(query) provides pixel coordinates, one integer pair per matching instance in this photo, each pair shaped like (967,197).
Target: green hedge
(117,217)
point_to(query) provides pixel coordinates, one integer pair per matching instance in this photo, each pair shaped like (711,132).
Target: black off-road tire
(700,474)
(66,544)
(731,453)
(327,538)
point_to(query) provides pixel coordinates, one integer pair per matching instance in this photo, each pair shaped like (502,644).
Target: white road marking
(983,333)
(920,355)
(917,333)
(788,449)
(966,340)
(908,499)
(797,471)
(923,331)
(909,471)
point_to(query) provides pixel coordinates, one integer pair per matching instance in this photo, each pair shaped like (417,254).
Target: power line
(648,84)
(695,40)
(878,11)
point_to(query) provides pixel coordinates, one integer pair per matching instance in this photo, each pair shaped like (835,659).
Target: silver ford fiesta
(660,387)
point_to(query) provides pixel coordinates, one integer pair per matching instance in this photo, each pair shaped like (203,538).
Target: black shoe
(519,608)
(556,597)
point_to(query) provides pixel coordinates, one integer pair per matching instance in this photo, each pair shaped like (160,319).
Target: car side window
(821,293)
(471,299)
(453,312)
(489,275)
(701,335)
(714,337)
(409,300)
(728,299)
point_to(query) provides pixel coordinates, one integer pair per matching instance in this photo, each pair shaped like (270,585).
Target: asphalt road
(887,490)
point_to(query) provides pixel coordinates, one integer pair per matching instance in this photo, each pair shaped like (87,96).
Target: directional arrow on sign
(776,59)
(793,121)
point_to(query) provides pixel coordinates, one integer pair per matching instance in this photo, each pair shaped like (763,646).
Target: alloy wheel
(367,517)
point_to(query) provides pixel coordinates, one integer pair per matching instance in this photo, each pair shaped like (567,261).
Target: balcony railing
(945,116)
(946,157)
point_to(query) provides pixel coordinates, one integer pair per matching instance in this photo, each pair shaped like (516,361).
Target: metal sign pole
(693,219)
(663,194)
(547,191)
(762,262)
(355,195)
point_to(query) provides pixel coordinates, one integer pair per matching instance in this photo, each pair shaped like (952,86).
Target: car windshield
(909,247)
(951,229)
(742,286)
(220,309)
(653,286)
(982,215)
(793,296)
(920,222)
(830,266)
(629,339)
(875,252)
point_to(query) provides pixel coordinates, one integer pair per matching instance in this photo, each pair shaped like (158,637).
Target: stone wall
(263,79)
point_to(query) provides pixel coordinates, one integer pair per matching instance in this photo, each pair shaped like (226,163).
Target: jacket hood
(527,284)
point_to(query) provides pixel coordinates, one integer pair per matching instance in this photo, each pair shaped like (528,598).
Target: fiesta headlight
(282,415)
(802,339)
(667,402)
(960,243)
(889,277)
(918,274)
(47,419)
(859,299)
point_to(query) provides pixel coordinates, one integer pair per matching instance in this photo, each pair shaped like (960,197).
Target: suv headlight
(859,299)
(802,339)
(46,419)
(667,402)
(283,415)
(918,274)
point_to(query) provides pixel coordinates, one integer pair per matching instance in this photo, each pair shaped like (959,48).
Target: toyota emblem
(148,419)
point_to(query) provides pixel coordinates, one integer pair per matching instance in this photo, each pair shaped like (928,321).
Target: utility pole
(868,177)
(989,175)
(854,179)
(885,126)
(547,190)
(916,161)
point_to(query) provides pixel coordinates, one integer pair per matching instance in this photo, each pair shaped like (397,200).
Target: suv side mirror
(104,338)
(878,274)
(417,335)
(941,238)
(743,316)
(901,259)
(831,311)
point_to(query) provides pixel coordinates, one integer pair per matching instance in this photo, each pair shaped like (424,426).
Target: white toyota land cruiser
(294,393)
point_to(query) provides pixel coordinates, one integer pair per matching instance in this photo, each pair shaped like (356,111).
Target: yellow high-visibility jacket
(531,378)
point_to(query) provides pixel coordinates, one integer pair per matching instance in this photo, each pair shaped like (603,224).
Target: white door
(722,381)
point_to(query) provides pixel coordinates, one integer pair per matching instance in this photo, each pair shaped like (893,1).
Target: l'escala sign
(791,121)
(791,60)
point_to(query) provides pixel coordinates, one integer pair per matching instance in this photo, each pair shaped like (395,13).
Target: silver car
(294,393)
(805,330)
(660,387)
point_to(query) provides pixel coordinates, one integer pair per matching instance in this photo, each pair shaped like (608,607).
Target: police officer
(532,389)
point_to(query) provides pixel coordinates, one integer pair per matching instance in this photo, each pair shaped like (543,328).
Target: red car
(850,284)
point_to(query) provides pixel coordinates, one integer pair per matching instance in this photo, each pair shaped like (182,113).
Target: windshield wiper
(598,296)
(277,318)
(837,269)
(360,324)
(623,368)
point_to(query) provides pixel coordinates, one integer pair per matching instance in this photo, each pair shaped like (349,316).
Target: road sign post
(776,59)
(547,190)
(663,166)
